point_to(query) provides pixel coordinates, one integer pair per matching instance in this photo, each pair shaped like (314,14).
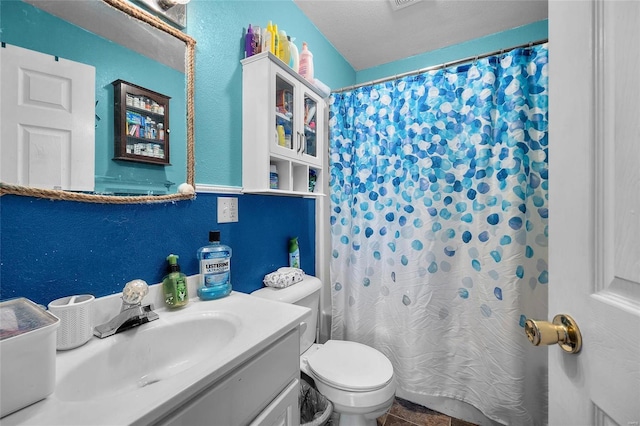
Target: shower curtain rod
(437,67)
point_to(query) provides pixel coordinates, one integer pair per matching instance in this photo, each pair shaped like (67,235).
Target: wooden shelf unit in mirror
(141,124)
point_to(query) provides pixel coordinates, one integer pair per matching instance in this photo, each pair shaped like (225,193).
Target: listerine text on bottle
(215,271)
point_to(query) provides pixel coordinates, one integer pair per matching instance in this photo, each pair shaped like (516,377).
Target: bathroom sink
(148,373)
(146,355)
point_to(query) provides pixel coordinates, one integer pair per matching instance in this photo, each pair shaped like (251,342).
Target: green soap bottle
(174,285)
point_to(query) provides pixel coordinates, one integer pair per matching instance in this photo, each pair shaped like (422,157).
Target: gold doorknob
(563,330)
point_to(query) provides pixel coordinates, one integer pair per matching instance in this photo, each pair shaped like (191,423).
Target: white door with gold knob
(594,199)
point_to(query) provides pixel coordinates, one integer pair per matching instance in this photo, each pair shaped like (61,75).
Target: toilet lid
(351,366)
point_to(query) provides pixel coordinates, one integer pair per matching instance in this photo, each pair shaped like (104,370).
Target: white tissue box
(28,353)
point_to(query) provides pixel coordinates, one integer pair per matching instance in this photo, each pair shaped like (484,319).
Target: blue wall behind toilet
(50,249)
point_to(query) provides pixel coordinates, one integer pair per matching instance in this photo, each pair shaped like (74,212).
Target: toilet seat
(350,366)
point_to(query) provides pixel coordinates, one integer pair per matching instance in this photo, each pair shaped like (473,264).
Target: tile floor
(407,413)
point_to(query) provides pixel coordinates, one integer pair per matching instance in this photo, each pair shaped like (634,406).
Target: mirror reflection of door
(57,28)
(47,136)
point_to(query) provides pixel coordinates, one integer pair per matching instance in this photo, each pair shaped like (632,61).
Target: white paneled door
(594,199)
(47,136)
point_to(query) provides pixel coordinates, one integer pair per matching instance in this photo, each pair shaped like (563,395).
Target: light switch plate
(227,209)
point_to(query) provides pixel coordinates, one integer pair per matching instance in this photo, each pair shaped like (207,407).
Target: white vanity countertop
(260,322)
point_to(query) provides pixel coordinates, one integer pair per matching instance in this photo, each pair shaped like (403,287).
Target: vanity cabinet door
(246,392)
(295,115)
(283,411)
(311,130)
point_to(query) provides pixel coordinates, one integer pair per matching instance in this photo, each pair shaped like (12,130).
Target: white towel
(283,277)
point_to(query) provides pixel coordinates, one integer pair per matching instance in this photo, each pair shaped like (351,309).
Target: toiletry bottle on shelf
(313,177)
(284,54)
(280,131)
(174,284)
(248,41)
(215,269)
(306,63)
(294,61)
(276,40)
(294,253)
(256,42)
(267,38)
(287,137)
(273,177)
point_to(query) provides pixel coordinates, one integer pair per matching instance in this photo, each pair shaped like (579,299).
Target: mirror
(143,36)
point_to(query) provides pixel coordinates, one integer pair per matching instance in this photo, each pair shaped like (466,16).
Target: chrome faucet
(132,312)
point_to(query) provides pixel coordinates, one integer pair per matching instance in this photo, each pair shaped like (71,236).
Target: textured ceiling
(369,32)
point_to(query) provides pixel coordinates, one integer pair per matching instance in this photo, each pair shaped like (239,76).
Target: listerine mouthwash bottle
(215,269)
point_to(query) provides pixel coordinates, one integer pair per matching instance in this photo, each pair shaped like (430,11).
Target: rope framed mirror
(185,190)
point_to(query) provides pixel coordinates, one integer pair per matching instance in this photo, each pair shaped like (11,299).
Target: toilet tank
(304,293)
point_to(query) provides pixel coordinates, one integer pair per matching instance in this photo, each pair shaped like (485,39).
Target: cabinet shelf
(283,117)
(144,111)
(145,140)
(141,124)
(142,159)
(284,193)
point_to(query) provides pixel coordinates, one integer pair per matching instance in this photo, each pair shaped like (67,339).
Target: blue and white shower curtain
(439,229)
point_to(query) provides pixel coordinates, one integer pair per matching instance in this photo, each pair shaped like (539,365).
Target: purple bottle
(248,42)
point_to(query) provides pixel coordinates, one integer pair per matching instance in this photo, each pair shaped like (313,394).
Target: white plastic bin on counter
(28,354)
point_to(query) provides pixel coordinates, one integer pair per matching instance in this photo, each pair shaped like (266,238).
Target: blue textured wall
(52,249)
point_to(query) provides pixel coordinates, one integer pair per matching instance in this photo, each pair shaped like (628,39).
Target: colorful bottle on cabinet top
(256,44)
(305,67)
(267,38)
(248,42)
(283,53)
(294,60)
(174,285)
(215,269)
(276,40)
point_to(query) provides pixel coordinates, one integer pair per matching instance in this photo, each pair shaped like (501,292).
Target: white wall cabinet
(261,392)
(283,124)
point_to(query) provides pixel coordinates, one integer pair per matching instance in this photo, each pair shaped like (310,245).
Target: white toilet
(356,378)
